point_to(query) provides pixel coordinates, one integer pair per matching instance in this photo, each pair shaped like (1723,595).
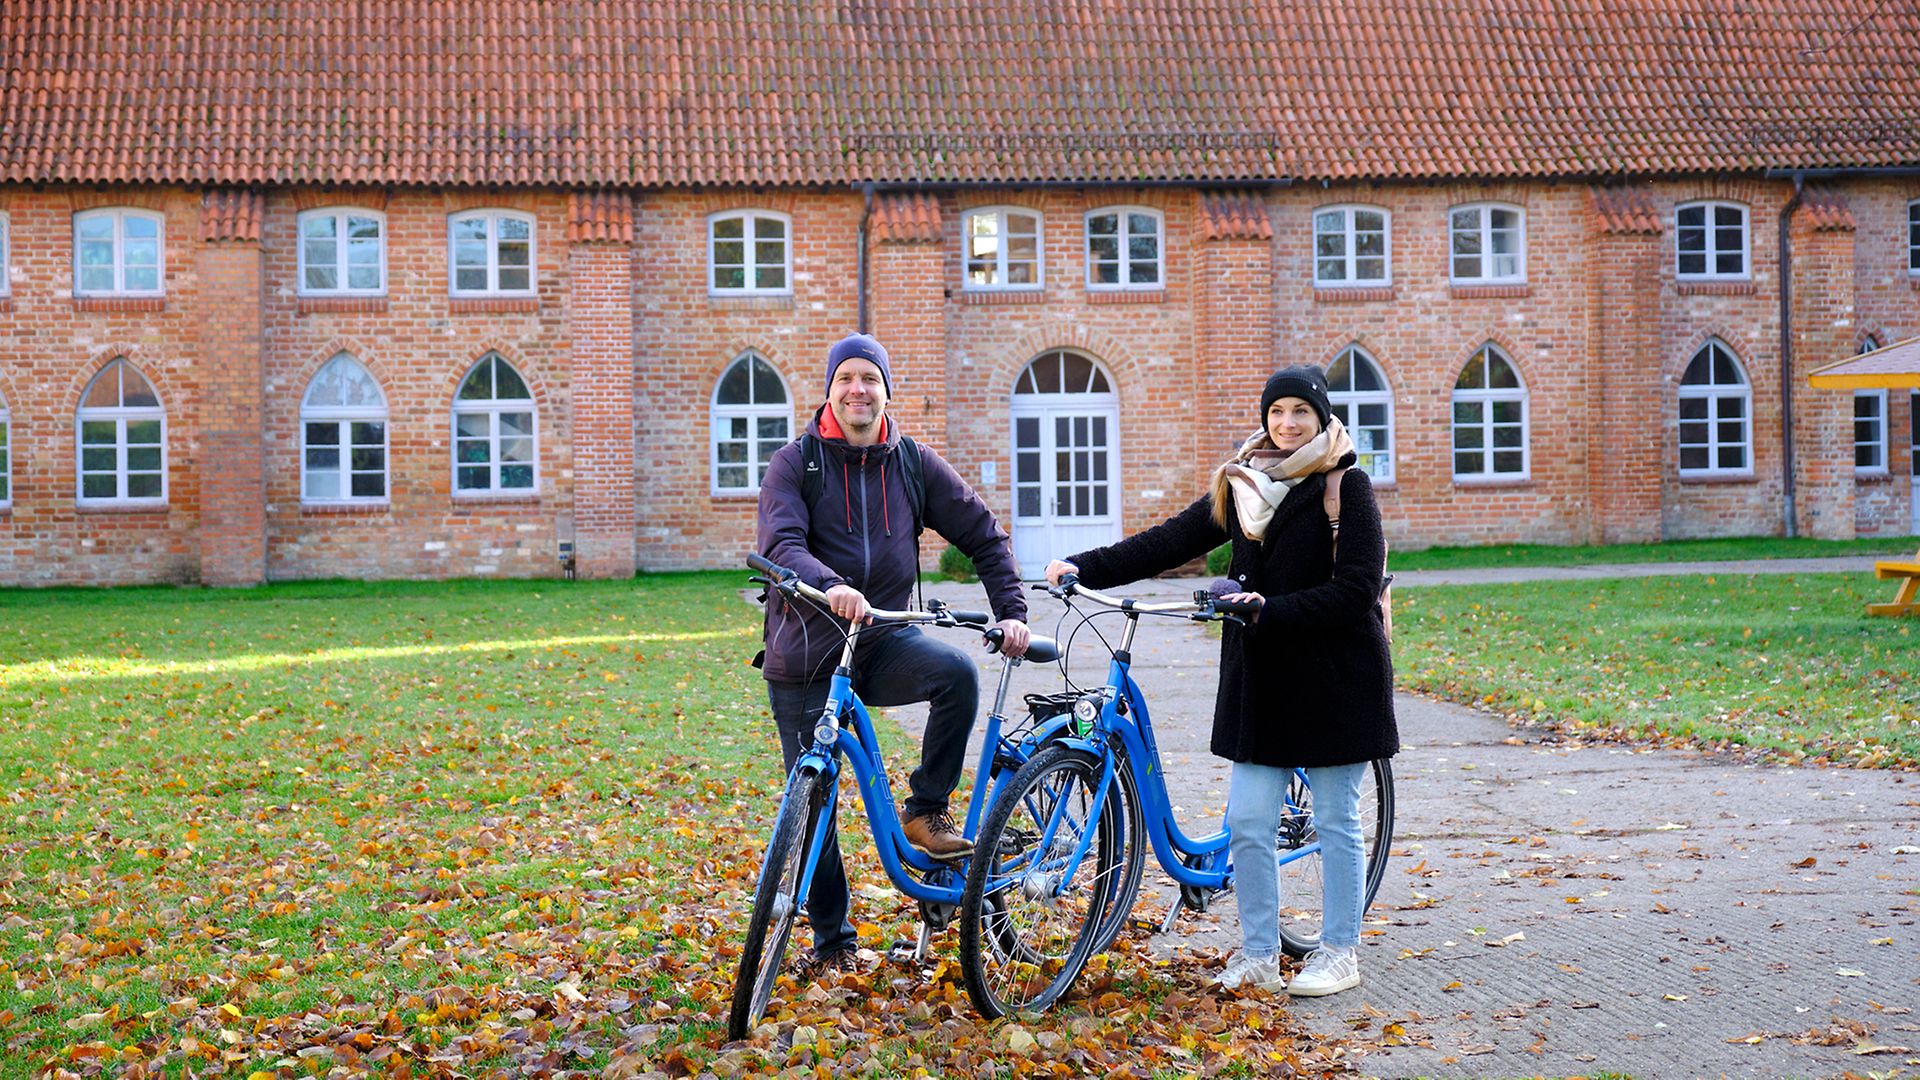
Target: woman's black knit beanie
(1304,381)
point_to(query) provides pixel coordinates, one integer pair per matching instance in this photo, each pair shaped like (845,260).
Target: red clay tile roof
(906,219)
(625,93)
(1627,211)
(1234,215)
(605,216)
(227,214)
(1828,211)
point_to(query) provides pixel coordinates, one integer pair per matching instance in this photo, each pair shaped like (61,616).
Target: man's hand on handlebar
(1058,569)
(847,602)
(1016,636)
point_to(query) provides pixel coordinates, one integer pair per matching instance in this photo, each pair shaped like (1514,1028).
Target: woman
(1309,682)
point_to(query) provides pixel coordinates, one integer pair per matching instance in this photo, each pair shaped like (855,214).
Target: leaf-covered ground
(1787,665)
(467,829)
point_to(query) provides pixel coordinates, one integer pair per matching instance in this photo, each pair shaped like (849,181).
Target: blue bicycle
(845,737)
(1039,868)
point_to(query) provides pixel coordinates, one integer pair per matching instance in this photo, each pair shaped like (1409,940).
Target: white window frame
(1485,230)
(752,412)
(492,408)
(346,416)
(1487,397)
(6,256)
(1000,261)
(341,267)
(1349,257)
(751,243)
(1713,393)
(1123,234)
(120,216)
(1913,238)
(120,417)
(1353,399)
(1881,446)
(493,218)
(6,455)
(1712,253)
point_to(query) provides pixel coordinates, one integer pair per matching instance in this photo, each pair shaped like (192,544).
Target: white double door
(1066,479)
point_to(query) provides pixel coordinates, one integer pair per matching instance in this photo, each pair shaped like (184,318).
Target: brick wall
(623,346)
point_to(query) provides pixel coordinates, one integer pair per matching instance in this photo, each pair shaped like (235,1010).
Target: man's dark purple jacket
(860,533)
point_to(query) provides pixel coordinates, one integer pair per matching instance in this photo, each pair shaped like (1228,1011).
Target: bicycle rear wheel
(776,901)
(1027,917)
(1302,873)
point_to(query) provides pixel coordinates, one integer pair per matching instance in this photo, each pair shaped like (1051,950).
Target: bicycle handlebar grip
(1236,607)
(979,618)
(769,567)
(994,637)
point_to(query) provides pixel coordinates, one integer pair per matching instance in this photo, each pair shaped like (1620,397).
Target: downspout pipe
(860,279)
(1786,349)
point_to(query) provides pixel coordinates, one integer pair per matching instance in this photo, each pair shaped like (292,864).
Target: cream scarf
(1261,475)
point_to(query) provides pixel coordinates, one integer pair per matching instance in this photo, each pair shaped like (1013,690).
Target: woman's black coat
(1311,683)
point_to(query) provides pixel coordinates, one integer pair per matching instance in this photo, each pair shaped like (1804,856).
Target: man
(850,533)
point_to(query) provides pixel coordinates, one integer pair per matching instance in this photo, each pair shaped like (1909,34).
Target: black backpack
(813,478)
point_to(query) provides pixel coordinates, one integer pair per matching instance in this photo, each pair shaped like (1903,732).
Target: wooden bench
(1904,601)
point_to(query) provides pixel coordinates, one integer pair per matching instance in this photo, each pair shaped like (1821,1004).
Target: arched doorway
(1066,459)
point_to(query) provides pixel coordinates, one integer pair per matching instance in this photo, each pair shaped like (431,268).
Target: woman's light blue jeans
(1255,803)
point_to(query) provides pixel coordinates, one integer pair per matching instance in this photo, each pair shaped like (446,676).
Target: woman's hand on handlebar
(1253,599)
(1058,569)
(847,602)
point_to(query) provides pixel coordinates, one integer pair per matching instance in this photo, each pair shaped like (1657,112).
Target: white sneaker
(1327,971)
(1243,972)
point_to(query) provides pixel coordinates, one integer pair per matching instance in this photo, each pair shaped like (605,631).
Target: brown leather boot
(936,834)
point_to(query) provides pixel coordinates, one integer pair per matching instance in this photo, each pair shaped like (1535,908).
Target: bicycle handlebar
(1204,606)
(787,580)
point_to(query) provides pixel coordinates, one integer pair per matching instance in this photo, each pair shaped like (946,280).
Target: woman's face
(1292,423)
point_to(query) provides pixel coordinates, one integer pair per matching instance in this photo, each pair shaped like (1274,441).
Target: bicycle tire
(775,903)
(1302,879)
(1023,960)
(1120,899)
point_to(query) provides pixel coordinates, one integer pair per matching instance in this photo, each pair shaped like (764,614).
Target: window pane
(1509,461)
(94,253)
(729,227)
(364,252)
(1026,468)
(143,431)
(1105,248)
(516,450)
(470,280)
(1143,247)
(369,459)
(1025,248)
(1692,217)
(98,459)
(470,229)
(1506,412)
(1729,262)
(736,386)
(322,276)
(1330,270)
(1365,221)
(99,432)
(1466,464)
(1143,225)
(515,279)
(143,458)
(1466,267)
(142,279)
(472,477)
(322,485)
(733,476)
(1466,412)
(516,476)
(143,485)
(508,384)
(772,428)
(767,227)
(1693,408)
(1693,263)
(1370,244)
(1021,274)
(1507,438)
(96,279)
(363,277)
(479,383)
(770,277)
(733,277)
(321,457)
(1500,374)
(1470,437)
(1466,243)
(1733,457)
(1506,266)
(1693,457)
(1370,269)
(140,228)
(736,427)
(471,425)
(372,485)
(730,453)
(515,229)
(1373,416)
(363,228)
(1103,225)
(317,225)
(730,253)
(1733,431)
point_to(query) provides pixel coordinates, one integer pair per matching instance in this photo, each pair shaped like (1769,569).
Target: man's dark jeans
(901,667)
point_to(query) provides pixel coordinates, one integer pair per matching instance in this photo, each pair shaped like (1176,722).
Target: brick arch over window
(156,370)
(367,355)
(532,371)
(1496,337)
(779,200)
(525,202)
(803,386)
(83,199)
(1006,367)
(1674,367)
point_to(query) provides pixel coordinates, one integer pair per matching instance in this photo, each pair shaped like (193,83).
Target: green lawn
(1742,547)
(473,829)
(1789,664)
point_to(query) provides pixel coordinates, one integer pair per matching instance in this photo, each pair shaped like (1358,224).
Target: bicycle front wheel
(776,901)
(1302,867)
(1029,913)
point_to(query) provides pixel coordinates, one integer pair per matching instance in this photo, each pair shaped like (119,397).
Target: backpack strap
(913,473)
(1330,501)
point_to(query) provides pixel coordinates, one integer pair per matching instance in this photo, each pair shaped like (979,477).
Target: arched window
(118,252)
(343,251)
(6,455)
(752,417)
(1359,396)
(1123,248)
(749,253)
(343,435)
(122,439)
(490,253)
(1716,407)
(1490,439)
(1711,240)
(494,444)
(1001,248)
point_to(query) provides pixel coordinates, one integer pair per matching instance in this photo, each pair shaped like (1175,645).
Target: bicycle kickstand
(1173,913)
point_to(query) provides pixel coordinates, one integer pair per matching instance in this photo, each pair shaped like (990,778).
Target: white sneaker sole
(1323,989)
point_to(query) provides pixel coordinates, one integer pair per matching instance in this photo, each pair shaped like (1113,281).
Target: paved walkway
(1558,909)
(1505,575)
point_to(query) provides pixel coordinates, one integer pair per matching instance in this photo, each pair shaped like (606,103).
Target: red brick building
(409,289)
